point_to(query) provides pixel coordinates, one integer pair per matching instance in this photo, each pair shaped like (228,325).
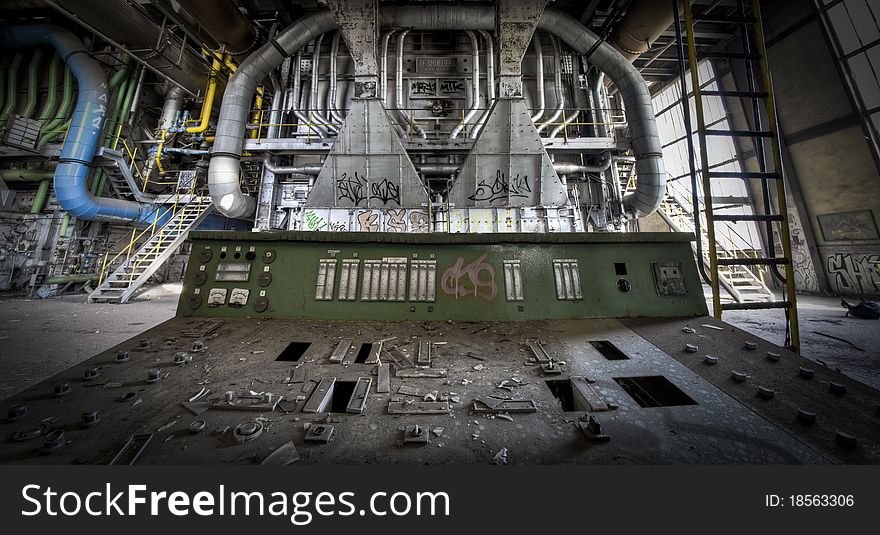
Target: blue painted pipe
(85,128)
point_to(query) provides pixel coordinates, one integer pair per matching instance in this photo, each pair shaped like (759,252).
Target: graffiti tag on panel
(854,274)
(501,188)
(368,220)
(356,189)
(421,88)
(385,191)
(452,87)
(477,279)
(418,222)
(314,222)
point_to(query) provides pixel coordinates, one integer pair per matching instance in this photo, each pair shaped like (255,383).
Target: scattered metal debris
(418,407)
(341,350)
(90,417)
(284,455)
(508,405)
(416,434)
(169,425)
(247,431)
(500,457)
(418,373)
(383,382)
(132,449)
(199,395)
(320,398)
(319,433)
(358,399)
(264,402)
(592,429)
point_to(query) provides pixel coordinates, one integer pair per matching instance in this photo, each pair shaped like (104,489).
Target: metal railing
(149,231)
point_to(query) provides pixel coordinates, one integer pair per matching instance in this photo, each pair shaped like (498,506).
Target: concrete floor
(39,338)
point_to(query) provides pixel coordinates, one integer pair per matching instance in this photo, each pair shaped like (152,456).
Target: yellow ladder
(764,130)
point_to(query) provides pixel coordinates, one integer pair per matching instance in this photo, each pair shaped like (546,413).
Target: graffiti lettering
(451,87)
(501,188)
(854,275)
(422,87)
(314,222)
(338,227)
(385,191)
(418,222)
(452,282)
(396,221)
(368,220)
(352,188)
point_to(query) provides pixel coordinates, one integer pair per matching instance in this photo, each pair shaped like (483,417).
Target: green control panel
(469,277)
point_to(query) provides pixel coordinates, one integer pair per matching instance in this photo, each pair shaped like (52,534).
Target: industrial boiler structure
(408,232)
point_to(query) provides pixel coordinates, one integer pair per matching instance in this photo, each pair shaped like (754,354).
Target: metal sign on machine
(436,65)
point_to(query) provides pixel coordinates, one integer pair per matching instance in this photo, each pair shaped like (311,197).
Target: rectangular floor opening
(654,391)
(608,350)
(563,391)
(293,352)
(363,353)
(342,391)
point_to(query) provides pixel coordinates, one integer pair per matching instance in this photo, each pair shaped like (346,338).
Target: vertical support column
(358,21)
(515,23)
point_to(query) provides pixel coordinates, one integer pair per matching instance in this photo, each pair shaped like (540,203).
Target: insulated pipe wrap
(224,169)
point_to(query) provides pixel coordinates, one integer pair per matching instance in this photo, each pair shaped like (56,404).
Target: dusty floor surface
(40,338)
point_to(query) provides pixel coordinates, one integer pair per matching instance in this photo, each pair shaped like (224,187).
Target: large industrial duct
(644,22)
(646,146)
(223,173)
(85,127)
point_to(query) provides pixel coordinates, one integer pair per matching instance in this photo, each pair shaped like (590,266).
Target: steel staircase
(741,283)
(120,285)
(763,133)
(118,172)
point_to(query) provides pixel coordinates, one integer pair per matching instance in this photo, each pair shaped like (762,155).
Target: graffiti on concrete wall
(805,278)
(853,273)
(476,279)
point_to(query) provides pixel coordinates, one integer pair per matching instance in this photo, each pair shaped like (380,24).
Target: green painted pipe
(33,89)
(65,221)
(52,92)
(26,175)
(99,181)
(63,109)
(52,134)
(12,83)
(41,196)
(64,279)
(120,115)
